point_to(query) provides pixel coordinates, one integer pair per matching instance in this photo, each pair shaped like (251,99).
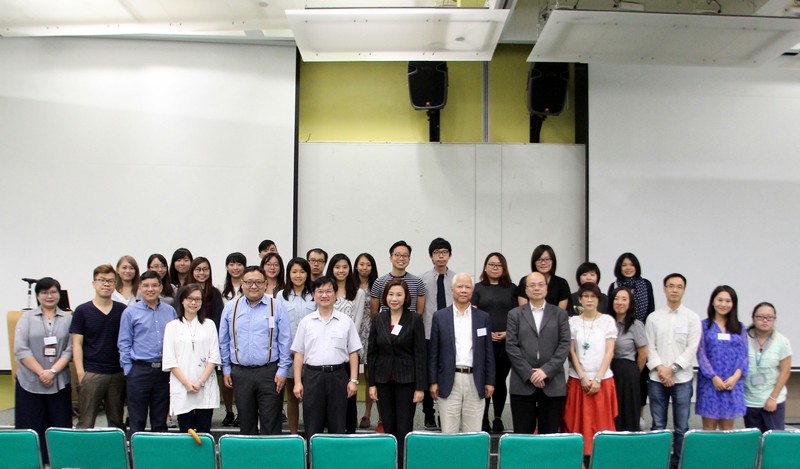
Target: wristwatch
(354,381)
(52,370)
(674,368)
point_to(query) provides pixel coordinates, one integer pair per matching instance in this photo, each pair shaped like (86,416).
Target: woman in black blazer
(396,362)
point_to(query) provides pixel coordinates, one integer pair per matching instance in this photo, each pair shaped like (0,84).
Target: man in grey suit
(461,360)
(537,344)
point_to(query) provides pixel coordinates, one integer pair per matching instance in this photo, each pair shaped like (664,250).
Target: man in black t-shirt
(95,329)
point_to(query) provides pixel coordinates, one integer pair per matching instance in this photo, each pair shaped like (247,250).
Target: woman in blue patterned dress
(722,357)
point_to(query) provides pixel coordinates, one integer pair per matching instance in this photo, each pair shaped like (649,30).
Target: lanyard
(49,330)
(763,350)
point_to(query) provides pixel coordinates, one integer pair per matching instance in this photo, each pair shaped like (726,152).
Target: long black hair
(732,323)
(350,286)
(236,258)
(630,314)
(287,290)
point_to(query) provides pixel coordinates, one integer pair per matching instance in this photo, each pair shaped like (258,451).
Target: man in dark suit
(537,344)
(461,360)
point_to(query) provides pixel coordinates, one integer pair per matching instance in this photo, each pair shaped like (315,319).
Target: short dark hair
(254,268)
(618,265)
(148,274)
(46,283)
(318,251)
(183,293)
(587,267)
(589,287)
(103,269)
(538,252)
(393,283)
(438,243)
(674,275)
(763,304)
(266,244)
(322,281)
(398,244)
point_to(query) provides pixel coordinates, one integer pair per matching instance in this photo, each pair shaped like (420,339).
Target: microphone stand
(30,282)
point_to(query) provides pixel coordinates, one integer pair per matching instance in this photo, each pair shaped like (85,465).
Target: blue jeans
(681,394)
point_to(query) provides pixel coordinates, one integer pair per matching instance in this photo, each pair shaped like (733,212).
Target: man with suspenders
(254,339)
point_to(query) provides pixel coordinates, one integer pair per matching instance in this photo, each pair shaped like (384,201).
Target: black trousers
(502,368)
(41,411)
(198,419)
(148,390)
(537,410)
(324,400)
(427,400)
(257,399)
(396,402)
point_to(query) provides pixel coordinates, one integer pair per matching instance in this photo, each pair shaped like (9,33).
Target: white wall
(112,147)
(356,197)
(697,170)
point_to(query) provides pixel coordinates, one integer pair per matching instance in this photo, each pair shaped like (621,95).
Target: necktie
(441,300)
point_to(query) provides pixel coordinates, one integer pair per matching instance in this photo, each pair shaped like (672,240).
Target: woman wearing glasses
(543,260)
(769,367)
(495,295)
(43,349)
(190,354)
(200,273)
(272,264)
(158,263)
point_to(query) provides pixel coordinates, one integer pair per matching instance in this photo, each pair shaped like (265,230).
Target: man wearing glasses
(95,330)
(439,295)
(325,350)
(673,335)
(400,257)
(254,339)
(141,344)
(317,258)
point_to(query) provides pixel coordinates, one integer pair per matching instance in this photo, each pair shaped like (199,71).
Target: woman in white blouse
(191,351)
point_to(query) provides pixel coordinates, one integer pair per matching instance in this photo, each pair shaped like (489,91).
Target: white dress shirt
(673,337)
(462,327)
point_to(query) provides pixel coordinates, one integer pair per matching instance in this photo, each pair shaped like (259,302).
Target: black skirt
(626,378)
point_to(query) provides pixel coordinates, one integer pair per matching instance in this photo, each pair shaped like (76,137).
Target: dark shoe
(485,427)
(228,420)
(497,426)
(364,423)
(284,418)
(236,422)
(430,422)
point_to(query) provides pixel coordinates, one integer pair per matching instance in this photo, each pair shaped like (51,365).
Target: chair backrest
(170,450)
(643,450)
(19,449)
(778,449)
(731,449)
(243,451)
(426,450)
(373,451)
(94,448)
(558,450)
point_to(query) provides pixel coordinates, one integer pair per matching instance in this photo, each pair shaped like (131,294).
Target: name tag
(396,329)
(51,340)
(272,322)
(482,332)
(49,351)
(723,336)
(681,330)
(758,379)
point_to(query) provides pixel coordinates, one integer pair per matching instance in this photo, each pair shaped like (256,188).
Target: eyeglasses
(254,283)
(759,317)
(49,293)
(202,269)
(492,265)
(316,261)
(543,260)
(537,285)
(325,292)
(149,286)
(193,299)
(401,256)
(106,281)
(441,252)
(272,265)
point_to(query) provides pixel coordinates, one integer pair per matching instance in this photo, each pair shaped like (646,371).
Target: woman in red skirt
(591,395)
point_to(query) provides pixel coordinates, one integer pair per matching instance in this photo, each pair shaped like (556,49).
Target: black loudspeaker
(427,84)
(547,88)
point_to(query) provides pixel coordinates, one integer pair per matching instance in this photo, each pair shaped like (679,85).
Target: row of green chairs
(106,448)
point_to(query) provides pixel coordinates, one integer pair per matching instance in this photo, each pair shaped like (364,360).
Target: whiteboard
(113,147)
(356,197)
(696,171)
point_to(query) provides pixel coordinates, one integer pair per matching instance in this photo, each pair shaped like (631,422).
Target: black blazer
(402,356)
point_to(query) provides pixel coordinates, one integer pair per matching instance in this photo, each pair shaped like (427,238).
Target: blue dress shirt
(141,333)
(252,335)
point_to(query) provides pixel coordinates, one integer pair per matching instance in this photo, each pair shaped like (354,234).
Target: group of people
(160,338)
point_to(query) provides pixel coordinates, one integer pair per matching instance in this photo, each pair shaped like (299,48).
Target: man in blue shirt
(254,338)
(141,340)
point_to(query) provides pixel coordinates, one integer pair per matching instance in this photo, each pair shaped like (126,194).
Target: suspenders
(271,329)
